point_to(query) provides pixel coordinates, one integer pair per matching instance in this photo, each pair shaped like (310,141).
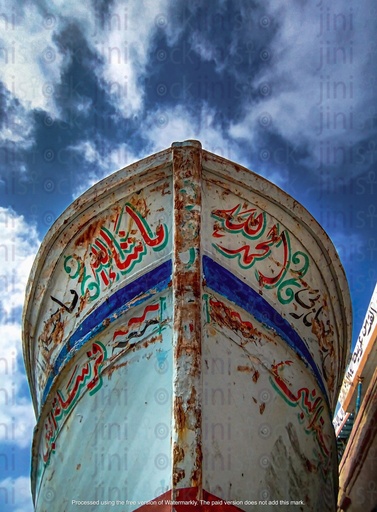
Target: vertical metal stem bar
(187,426)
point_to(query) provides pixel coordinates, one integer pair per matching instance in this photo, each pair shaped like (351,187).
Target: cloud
(122,38)
(178,123)
(31,61)
(34,59)
(18,247)
(312,84)
(16,123)
(161,128)
(17,492)
(104,159)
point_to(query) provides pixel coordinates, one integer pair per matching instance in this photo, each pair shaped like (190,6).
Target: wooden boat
(185,335)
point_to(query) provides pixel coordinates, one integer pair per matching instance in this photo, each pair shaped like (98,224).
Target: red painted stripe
(188,497)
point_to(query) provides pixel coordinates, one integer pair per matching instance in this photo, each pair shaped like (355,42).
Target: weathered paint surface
(253,243)
(104,254)
(187,403)
(244,353)
(186,331)
(94,404)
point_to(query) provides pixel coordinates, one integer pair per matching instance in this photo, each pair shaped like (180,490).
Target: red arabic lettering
(251,224)
(145,231)
(61,405)
(133,255)
(271,281)
(314,408)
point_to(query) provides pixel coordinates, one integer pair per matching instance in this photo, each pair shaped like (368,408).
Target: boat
(185,335)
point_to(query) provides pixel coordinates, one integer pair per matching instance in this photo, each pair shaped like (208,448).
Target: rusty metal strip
(186,435)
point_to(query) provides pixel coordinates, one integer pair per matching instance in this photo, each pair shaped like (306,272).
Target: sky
(287,89)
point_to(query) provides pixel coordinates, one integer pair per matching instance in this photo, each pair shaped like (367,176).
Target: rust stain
(310,466)
(178,454)
(111,369)
(96,259)
(91,231)
(223,315)
(325,334)
(293,437)
(163,188)
(83,301)
(246,369)
(140,204)
(212,331)
(187,312)
(255,376)
(196,477)
(150,341)
(53,330)
(178,475)
(192,400)
(262,407)
(179,414)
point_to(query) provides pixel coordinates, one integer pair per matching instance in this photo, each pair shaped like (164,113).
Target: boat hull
(186,329)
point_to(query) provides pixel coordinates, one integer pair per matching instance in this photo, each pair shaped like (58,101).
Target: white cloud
(16,124)
(17,492)
(31,61)
(315,76)
(18,246)
(104,161)
(19,243)
(178,124)
(162,127)
(123,41)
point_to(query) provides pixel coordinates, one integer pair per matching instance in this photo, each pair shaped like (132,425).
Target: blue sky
(286,89)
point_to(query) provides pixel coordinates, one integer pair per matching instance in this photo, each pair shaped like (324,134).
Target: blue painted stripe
(114,306)
(228,285)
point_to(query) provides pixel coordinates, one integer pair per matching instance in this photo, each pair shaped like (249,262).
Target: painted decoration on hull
(114,248)
(243,353)
(114,252)
(311,416)
(142,334)
(251,242)
(312,406)
(86,377)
